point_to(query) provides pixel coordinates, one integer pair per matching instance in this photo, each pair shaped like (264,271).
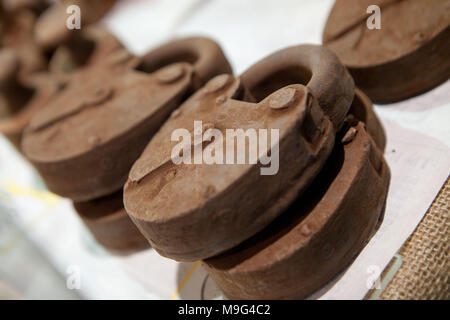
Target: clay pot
(86,140)
(191,212)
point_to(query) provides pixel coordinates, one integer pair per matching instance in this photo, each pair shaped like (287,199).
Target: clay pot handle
(311,65)
(203,54)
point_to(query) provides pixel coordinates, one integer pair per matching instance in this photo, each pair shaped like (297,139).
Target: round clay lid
(405,27)
(98,106)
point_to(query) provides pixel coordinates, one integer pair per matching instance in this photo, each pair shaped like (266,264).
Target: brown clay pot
(406,57)
(191,212)
(86,140)
(110,225)
(318,235)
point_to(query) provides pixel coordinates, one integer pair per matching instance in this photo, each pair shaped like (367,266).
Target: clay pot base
(96,128)
(110,225)
(406,57)
(320,233)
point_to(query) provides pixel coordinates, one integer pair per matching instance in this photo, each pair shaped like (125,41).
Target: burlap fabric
(425,271)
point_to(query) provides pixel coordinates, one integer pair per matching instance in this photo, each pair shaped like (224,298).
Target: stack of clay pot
(269,236)
(39,57)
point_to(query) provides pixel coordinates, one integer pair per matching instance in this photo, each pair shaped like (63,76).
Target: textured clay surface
(316,66)
(318,235)
(96,128)
(407,56)
(362,110)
